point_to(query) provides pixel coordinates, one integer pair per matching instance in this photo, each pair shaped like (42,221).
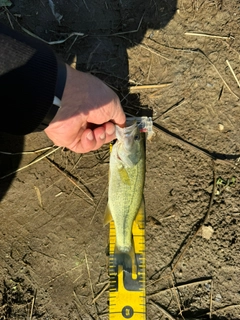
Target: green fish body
(126,183)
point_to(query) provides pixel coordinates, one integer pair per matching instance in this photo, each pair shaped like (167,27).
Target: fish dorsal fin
(107,216)
(124,175)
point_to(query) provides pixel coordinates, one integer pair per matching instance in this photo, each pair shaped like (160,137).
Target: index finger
(119,116)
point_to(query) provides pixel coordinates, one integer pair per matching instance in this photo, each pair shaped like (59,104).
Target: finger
(100,136)
(94,139)
(119,116)
(120,120)
(86,143)
(110,130)
(104,134)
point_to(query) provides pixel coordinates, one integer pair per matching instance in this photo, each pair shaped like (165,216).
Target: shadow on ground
(109,27)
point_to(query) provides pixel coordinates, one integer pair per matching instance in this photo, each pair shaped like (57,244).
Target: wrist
(58,93)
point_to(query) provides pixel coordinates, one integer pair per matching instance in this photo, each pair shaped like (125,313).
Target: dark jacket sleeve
(28,81)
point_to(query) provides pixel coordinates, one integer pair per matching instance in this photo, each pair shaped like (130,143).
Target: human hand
(88,114)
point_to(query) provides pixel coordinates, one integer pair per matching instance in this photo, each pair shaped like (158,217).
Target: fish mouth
(122,133)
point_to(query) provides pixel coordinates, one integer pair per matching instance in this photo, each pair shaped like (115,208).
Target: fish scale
(125,204)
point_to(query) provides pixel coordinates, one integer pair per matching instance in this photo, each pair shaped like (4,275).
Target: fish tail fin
(127,259)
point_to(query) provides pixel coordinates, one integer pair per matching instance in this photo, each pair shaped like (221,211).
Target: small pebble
(218,297)
(207,232)
(208,286)
(220,127)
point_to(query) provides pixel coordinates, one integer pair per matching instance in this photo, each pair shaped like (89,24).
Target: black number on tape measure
(127,312)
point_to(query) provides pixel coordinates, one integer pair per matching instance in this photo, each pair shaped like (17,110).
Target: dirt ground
(53,244)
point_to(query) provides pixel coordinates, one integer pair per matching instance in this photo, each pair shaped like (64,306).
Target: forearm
(29,79)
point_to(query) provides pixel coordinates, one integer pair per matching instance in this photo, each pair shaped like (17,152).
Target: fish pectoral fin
(107,216)
(124,176)
(140,217)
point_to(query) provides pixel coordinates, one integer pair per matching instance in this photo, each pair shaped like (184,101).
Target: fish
(126,184)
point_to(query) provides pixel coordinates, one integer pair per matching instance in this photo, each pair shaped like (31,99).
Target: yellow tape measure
(127,296)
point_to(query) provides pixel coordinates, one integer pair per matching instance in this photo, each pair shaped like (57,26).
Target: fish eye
(137,137)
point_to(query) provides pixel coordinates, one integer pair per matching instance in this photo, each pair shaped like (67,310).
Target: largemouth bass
(126,182)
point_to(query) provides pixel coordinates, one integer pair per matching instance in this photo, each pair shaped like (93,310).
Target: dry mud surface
(52,240)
